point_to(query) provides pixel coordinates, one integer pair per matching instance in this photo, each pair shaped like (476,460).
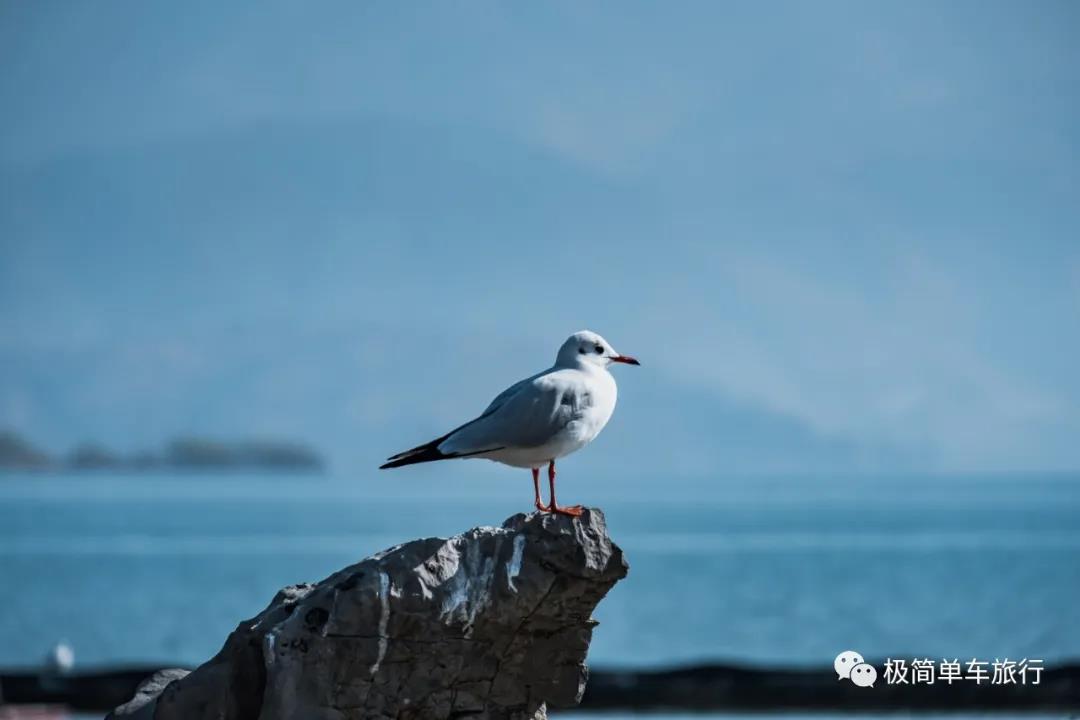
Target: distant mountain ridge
(237,328)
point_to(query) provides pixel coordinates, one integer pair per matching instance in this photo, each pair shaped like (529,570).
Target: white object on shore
(540,419)
(60,660)
(58,663)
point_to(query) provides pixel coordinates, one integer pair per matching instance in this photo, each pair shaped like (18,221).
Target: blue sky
(840,236)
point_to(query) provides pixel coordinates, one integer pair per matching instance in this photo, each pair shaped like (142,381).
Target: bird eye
(599,349)
(581,351)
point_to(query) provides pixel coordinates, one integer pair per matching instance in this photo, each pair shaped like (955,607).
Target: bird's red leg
(573,510)
(536,489)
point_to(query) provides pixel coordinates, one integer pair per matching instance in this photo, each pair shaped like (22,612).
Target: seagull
(539,419)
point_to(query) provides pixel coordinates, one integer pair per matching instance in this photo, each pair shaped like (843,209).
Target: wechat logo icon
(850,665)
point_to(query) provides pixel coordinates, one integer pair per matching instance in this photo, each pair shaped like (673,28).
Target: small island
(184,453)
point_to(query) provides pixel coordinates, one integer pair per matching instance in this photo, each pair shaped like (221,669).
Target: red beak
(624,359)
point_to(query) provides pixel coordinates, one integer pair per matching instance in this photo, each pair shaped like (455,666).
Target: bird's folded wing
(529,415)
(510,392)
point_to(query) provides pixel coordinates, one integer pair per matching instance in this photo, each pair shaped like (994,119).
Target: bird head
(589,348)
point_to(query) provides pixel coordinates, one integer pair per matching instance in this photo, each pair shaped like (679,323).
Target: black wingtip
(422,454)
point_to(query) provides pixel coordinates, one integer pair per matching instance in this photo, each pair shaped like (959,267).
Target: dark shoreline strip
(727,688)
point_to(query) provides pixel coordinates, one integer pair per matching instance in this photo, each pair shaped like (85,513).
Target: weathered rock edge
(492,623)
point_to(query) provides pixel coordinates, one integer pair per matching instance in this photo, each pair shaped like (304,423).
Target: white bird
(538,420)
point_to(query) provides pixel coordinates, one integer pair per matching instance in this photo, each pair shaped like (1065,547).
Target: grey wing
(527,414)
(510,392)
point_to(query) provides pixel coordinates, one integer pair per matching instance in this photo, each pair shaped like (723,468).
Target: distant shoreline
(183,454)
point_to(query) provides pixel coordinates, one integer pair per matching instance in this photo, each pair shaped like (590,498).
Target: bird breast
(593,406)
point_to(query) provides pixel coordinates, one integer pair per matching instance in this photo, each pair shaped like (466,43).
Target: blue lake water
(160,569)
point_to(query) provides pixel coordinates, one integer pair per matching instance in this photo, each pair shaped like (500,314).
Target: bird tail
(428,452)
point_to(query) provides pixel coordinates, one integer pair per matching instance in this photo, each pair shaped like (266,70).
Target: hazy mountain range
(837,242)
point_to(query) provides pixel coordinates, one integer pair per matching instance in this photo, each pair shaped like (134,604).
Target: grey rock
(141,707)
(493,623)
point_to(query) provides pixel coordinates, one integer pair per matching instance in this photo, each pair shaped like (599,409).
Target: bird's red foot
(571,510)
(541,506)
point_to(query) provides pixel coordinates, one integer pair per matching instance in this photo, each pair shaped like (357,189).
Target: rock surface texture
(492,623)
